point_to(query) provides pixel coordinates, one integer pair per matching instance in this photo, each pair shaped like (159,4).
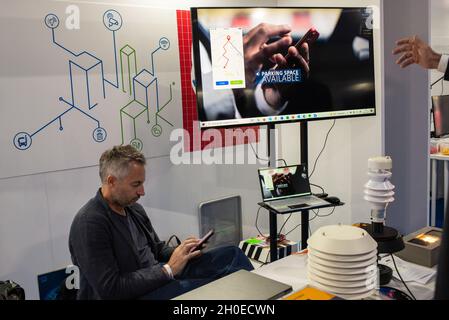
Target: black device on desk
(333,200)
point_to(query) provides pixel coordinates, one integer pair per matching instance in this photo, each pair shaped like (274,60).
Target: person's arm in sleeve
(413,50)
(97,262)
(163,250)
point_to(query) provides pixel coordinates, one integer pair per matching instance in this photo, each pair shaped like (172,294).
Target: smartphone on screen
(310,37)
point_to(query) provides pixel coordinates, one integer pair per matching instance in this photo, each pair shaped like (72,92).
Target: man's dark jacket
(105,253)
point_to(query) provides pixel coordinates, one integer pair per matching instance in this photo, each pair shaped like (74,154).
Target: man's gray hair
(117,161)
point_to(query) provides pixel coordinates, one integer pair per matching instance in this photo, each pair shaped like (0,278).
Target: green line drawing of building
(132,110)
(156,130)
(128,67)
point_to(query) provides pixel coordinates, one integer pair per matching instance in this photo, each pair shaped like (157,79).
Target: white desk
(434,158)
(292,270)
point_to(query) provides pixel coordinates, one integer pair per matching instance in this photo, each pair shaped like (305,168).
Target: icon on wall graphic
(99,134)
(156,130)
(164,43)
(88,85)
(51,21)
(112,20)
(137,143)
(22,141)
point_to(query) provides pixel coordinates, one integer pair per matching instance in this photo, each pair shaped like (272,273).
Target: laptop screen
(50,283)
(440,108)
(284,182)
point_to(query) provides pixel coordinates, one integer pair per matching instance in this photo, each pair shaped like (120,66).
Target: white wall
(407,117)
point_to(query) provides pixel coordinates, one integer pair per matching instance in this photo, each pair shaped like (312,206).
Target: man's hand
(414,50)
(257,51)
(182,255)
(279,178)
(277,95)
(296,58)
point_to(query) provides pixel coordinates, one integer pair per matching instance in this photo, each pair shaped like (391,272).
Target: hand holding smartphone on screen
(310,37)
(203,240)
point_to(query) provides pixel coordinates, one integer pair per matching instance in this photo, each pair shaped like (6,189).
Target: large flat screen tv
(249,72)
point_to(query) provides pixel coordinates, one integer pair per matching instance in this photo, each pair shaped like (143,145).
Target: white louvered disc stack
(342,260)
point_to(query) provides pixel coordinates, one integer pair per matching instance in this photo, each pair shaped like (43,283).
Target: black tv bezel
(198,77)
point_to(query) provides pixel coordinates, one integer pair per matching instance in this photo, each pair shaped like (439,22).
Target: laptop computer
(49,284)
(287,189)
(440,111)
(240,285)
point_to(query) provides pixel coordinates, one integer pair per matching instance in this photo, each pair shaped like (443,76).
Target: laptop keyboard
(295,203)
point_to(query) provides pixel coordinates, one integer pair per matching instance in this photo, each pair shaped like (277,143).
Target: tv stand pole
(271,141)
(304,160)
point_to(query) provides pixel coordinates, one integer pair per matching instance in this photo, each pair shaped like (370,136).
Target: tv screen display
(273,65)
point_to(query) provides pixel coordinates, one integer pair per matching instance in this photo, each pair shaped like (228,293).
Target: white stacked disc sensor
(343,261)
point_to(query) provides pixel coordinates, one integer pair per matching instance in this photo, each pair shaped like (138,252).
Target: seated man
(117,250)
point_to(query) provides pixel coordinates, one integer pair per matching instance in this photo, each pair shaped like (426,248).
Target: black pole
(304,143)
(273,236)
(273,215)
(271,138)
(304,160)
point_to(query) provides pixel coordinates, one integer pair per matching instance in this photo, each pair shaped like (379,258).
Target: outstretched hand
(415,51)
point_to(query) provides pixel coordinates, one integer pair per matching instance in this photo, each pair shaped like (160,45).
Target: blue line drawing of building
(86,84)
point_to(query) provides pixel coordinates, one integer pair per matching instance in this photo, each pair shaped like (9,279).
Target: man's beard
(124,203)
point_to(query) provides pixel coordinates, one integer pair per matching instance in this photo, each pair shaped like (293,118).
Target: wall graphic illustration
(67,94)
